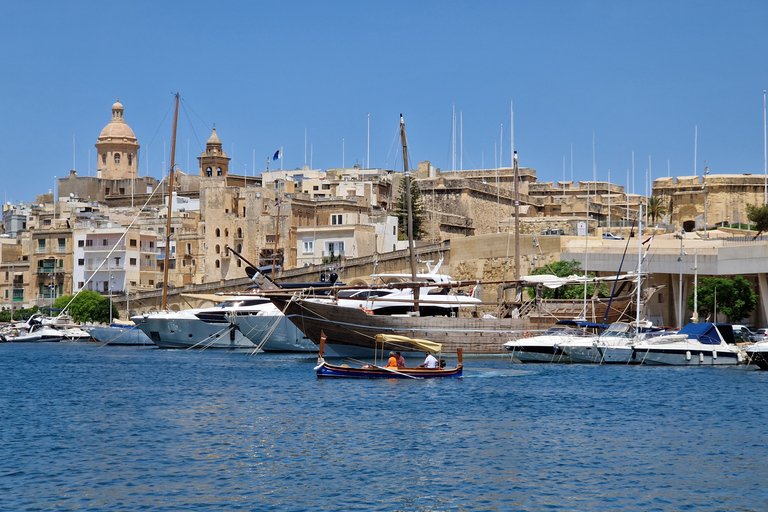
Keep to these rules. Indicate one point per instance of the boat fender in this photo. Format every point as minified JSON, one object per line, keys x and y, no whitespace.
{"x":687,"y":355}
{"x":714,"y":354}
{"x":701,"y":357}
{"x":526,"y":334}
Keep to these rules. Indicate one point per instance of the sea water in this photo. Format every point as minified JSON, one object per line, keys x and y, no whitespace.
{"x":85,"y":427}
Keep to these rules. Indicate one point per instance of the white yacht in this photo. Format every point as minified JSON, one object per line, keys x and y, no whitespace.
{"x":617,"y":344}
{"x":704,"y":344}
{"x":236,"y":323}
{"x":544,"y":347}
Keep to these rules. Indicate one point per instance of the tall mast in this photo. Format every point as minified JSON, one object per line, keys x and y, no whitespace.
{"x":170,"y":204}
{"x":410,"y":214}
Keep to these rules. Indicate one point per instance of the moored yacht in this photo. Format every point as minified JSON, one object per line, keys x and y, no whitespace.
{"x":544,"y":347}
{"x":758,"y":354}
{"x":704,"y":344}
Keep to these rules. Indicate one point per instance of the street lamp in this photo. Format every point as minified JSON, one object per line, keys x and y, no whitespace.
{"x":706,"y":172}
{"x":681,"y":236}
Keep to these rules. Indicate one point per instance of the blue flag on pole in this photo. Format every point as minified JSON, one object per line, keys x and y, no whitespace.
{"x":277,"y":155}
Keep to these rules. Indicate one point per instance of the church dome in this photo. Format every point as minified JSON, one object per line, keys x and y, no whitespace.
{"x":117,"y":127}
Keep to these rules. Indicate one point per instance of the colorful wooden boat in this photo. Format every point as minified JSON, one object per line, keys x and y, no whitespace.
{"x":375,"y":371}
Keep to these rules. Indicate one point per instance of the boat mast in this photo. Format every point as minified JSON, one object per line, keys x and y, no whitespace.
{"x":410,"y":214}
{"x":170,"y":204}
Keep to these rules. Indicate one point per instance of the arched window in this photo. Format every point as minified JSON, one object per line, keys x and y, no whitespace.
{"x":218,"y":233}
{"x":218,"y":171}
{"x":226,"y":232}
{"x":218,"y":249}
{"x":117,"y":158}
{"x":239,"y":232}
{"x":218,"y":264}
{"x":209,"y":172}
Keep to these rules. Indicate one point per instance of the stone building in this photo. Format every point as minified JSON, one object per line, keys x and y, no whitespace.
{"x":711,"y":199}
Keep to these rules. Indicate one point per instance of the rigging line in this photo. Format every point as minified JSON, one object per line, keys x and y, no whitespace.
{"x":394,"y":139}
{"x":268,"y":335}
{"x":184,"y":102}
{"x":106,"y":258}
{"x":192,"y":128}
{"x":162,"y":122}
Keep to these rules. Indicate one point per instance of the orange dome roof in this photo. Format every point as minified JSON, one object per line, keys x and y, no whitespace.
{"x":117,"y":127}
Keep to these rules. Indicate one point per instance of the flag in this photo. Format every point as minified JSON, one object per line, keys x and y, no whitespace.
{"x":278,"y":154}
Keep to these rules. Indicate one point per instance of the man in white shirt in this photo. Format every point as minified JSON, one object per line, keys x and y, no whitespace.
{"x":429,"y":362}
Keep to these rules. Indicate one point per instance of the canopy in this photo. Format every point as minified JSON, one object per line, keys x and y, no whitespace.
{"x":395,"y":339}
{"x":551,"y":281}
{"x":706,"y":333}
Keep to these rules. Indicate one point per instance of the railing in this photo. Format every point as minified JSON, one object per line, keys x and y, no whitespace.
{"x":50,"y":270}
{"x":105,"y":248}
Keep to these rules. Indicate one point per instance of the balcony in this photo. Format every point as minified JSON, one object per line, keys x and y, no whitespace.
{"x":50,"y":270}
{"x":104,"y":248}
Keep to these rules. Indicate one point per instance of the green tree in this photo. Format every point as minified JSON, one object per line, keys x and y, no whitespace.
{"x":565,"y":269}
{"x":88,"y":306}
{"x":735,"y":297}
{"x":656,"y":208}
{"x":418,"y":213}
{"x":758,"y":215}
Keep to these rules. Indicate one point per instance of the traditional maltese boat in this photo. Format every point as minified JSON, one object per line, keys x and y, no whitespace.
{"x":388,"y":342}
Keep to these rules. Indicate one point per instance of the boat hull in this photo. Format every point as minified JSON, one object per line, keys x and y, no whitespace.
{"x":352,"y":332}
{"x":283,"y":337}
{"x":688,"y":356}
{"x":758,"y":356}
{"x":185,"y":333}
{"x":329,"y":370}
{"x":114,"y":335}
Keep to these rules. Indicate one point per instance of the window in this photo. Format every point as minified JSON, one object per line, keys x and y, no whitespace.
{"x":41,"y":245}
{"x":226,"y":232}
{"x":89,"y":243}
{"x":80,"y":284}
{"x":104,"y":159}
{"x":309,"y":246}
{"x":218,"y":171}
{"x":189,"y":249}
{"x":117,"y":158}
{"x":47,"y":222}
{"x":81,"y":262}
{"x":315,"y":187}
{"x":62,"y":244}
{"x":208,"y":172}
{"x":81,"y":243}
{"x":133,"y":261}
{"x":218,"y":265}
{"x":183,"y":263}
{"x":151,"y":282}
{"x":117,"y":261}
{"x":104,"y":242}
{"x":130,"y":159}
{"x":243,"y":211}
{"x":132,"y":242}
{"x":335,"y":248}
{"x":218,"y":250}
{"x":218,"y":232}
{"x":239,"y":232}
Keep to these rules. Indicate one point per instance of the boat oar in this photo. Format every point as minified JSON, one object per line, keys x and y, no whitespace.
{"x":320,"y":360}
{"x":384,"y":368}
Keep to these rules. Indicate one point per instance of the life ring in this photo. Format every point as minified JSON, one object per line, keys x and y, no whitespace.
{"x":526,"y":334}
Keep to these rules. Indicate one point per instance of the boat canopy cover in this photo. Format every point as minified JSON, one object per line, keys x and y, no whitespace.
{"x":581,"y":323}
{"x":706,"y":333}
{"x":552,"y":281}
{"x":394,"y":339}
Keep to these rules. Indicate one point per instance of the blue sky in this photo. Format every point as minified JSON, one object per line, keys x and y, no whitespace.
{"x":637,"y":75}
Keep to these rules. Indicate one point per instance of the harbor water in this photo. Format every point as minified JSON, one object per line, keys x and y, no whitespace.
{"x":92,"y":428}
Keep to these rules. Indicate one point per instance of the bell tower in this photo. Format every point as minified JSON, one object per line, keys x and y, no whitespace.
{"x":213,"y":161}
{"x":117,"y":148}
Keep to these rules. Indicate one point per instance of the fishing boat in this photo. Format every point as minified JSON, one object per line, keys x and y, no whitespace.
{"x":385,"y":343}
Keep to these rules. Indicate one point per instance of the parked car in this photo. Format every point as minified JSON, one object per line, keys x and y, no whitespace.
{"x":611,"y":236}
{"x":742,"y":333}
{"x":759,"y":335}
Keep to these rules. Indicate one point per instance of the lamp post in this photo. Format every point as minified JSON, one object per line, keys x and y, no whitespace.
{"x":695,"y":316}
{"x":681,"y":235}
{"x":706,"y":172}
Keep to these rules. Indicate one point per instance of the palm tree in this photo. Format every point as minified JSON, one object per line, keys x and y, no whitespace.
{"x":656,"y":208}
